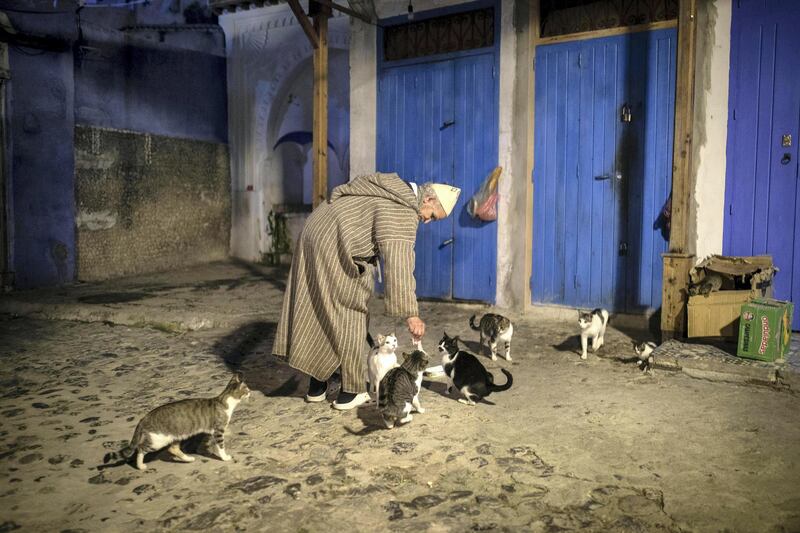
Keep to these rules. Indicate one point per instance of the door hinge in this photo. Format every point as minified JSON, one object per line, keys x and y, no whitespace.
{"x":734,"y":113}
{"x":575,"y":282}
{"x":730,"y":209}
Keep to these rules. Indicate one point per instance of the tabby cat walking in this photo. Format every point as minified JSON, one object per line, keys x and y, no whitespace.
{"x":497,"y":329}
{"x":169,"y":424}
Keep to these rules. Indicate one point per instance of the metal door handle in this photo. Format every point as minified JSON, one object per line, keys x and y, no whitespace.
{"x":446,"y":243}
{"x":786,"y":158}
{"x":615,"y":175}
{"x":447,"y":124}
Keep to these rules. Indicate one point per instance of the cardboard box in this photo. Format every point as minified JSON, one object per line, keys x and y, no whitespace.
{"x":716,"y":313}
{"x":765,"y":329}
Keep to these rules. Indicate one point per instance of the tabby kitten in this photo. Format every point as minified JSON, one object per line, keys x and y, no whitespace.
{"x":399,"y":390}
{"x":593,"y":324}
{"x":495,"y":328}
{"x":380,"y":359}
{"x":467,"y":374}
{"x":644,"y":352}
{"x":171,"y":423}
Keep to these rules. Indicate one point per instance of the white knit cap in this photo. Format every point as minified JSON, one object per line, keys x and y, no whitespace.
{"x":447,"y":195}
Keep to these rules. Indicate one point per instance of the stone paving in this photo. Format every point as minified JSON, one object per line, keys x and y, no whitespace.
{"x":593,"y":445}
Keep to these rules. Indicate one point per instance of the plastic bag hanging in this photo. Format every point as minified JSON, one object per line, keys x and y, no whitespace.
{"x":483,"y":204}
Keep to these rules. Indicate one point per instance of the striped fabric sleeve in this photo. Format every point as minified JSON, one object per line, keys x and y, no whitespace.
{"x":400,"y":287}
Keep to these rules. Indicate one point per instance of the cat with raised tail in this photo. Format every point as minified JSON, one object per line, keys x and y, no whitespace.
{"x":644,"y":354}
{"x":399,"y":390}
{"x":497,"y":329}
{"x":380,"y":359}
{"x":466,"y":374}
{"x":593,"y":324}
{"x":171,"y":423}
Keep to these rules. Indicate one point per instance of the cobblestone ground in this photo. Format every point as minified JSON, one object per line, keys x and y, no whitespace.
{"x":593,"y":445}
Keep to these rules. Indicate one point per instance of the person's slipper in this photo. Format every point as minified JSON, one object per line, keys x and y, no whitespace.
{"x":316,"y":399}
{"x":317,"y":390}
{"x":343,"y":404}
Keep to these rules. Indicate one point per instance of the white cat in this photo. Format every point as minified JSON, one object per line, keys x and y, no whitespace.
{"x":380,"y":360}
{"x":593,"y":324}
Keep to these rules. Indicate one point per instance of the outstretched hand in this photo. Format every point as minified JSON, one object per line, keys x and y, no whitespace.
{"x":416,"y":327}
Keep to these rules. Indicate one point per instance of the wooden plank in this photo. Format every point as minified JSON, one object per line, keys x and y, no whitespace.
{"x":582,"y":36}
{"x":677,"y":263}
{"x":684,"y":113}
{"x":674,"y":295}
{"x":320,"y":113}
{"x":305,"y":23}
{"x":529,"y":36}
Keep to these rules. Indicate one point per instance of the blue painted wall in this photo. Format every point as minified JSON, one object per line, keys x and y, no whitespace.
{"x":108,"y":80}
{"x":132,"y":85}
{"x":42,"y":120}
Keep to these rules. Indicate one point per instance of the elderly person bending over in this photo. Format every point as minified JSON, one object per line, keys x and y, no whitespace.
{"x":323,"y":323}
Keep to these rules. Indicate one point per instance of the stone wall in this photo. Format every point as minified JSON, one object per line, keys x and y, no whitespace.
{"x":146,"y":203}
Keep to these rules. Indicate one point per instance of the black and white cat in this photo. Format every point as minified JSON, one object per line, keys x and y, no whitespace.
{"x":497,"y":329}
{"x":593,"y":324}
{"x":644,"y":352}
{"x":380,"y":359}
{"x":169,"y":424}
{"x":399,"y":389}
{"x":466,"y":374}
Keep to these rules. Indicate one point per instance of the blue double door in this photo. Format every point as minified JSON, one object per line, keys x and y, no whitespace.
{"x":762,"y":194}
{"x":604,"y":121}
{"x":437,"y":122}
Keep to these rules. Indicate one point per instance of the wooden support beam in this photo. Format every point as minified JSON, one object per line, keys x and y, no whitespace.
{"x":320,"y":13}
{"x":304,"y":22}
{"x":678,"y":261}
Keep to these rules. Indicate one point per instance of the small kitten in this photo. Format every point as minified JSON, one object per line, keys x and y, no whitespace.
{"x":467,"y":374}
{"x":644,"y":352}
{"x":399,"y":391}
{"x":495,"y":328}
{"x":712,"y":282}
{"x":380,"y":359}
{"x":171,"y":423}
{"x":593,"y":324}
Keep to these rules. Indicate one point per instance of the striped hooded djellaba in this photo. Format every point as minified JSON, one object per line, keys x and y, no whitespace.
{"x":323,"y":322}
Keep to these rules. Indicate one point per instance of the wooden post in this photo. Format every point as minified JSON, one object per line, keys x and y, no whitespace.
{"x":678,"y":261}
{"x":320,"y":13}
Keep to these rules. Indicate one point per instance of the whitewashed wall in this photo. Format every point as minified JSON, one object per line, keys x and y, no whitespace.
{"x":270,"y":73}
{"x":707,"y":207}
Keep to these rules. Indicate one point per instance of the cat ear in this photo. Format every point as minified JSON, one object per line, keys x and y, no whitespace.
{"x":237,"y":377}
{"x":406,"y":355}
{"x":381,"y":339}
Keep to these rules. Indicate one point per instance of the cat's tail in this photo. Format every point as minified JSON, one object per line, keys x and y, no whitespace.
{"x":123,"y":456}
{"x":472,"y":323}
{"x":504,"y":386}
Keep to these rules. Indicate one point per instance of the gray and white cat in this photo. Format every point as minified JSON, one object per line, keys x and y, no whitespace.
{"x":644,"y":352}
{"x":380,"y":359}
{"x":593,"y":324}
{"x":169,"y":424}
{"x":399,"y":390}
{"x":497,"y":329}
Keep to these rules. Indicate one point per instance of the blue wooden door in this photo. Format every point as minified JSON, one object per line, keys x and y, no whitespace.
{"x":762,"y":195}
{"x":600,"y":181}
{"x":437,"y":121}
